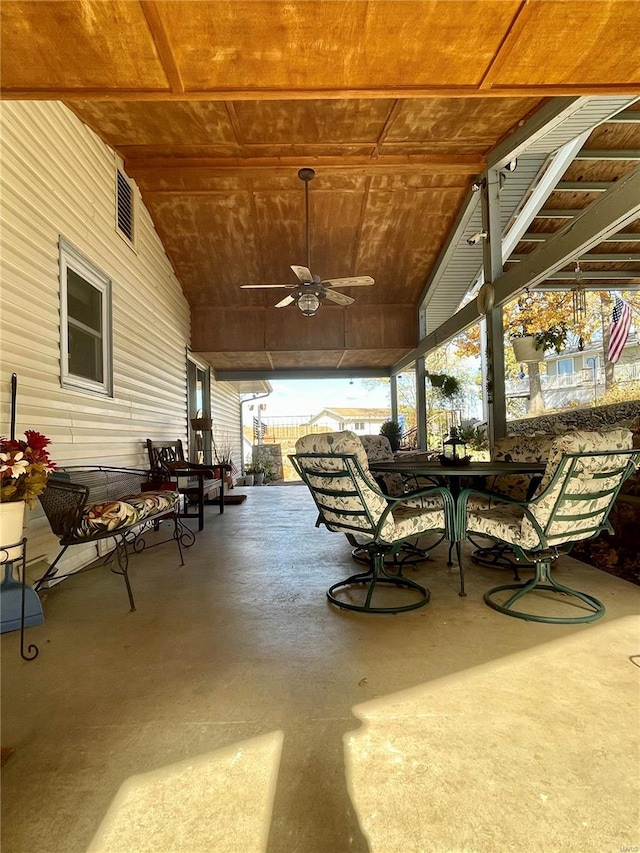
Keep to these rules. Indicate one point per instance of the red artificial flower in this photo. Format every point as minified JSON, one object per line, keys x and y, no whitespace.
{"x":36,"y":439}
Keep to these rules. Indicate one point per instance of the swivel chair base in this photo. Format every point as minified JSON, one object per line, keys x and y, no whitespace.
{"x":377,"y":575}
{"x":542,"y":574}
{"x":499,"y":555}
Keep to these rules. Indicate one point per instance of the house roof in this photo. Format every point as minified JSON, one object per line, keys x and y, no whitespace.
{"x":355,"y":414}
{"x":398,"y":106}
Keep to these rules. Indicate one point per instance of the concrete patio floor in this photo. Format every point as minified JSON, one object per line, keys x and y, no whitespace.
{"x":237,"y":711}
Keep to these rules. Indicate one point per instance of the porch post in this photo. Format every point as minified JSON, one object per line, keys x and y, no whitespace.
{"x":492,"y":266}
{"x":421,"y":404}
{"x":393,"y":386}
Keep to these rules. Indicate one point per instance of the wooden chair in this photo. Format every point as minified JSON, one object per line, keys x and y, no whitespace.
{"x":198,"y":483}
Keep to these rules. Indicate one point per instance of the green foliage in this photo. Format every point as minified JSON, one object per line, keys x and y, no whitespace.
{"x":474,"y":437}
{"x":446,"y":386}
{"x":393,"y":431}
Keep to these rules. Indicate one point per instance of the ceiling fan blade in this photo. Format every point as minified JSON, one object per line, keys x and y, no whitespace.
{"x":353,"y":281}
{"x":286,"y":301}
{"x":338,"y":298}
{"x":303,"y":273}
{"x":263,"y":286}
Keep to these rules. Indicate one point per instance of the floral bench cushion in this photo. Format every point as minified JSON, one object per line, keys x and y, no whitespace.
{"x":111,"y":516}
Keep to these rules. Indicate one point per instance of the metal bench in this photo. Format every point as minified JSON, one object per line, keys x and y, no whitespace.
{"x":90,"y":503}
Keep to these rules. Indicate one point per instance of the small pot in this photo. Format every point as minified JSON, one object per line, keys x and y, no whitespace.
{"x":525,"y":349}
{"x":258,"y":479}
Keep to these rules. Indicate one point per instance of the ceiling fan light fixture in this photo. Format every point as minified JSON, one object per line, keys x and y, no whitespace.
{"x":308,"y":303}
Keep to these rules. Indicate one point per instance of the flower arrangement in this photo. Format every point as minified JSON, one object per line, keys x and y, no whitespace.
{"x":24,"y":467}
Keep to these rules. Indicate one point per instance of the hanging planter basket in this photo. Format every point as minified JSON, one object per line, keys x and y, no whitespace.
{"x":525,"y":349}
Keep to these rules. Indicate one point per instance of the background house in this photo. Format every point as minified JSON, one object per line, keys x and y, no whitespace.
{"x":360,"y":421}
{"x":577,"y":377}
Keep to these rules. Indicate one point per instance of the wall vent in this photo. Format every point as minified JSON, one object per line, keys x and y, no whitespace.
{"x":125,"y":206}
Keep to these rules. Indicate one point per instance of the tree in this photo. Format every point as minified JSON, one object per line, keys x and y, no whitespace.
{"x":551,"y":314}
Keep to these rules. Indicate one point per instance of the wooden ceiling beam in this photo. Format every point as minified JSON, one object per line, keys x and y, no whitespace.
{"x":161,"y":41}
{"x":508,"y":42}
{"x":456,"y":164}
{"x":256,"y":94}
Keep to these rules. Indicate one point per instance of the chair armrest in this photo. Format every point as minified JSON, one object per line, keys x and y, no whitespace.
{"x":463,"y":499}
{"x":63,"y":503}
{"x":441,"y":491}
{"x":191,"y":469}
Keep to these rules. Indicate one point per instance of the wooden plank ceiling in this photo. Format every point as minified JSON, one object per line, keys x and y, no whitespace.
{"x":215,"y":106}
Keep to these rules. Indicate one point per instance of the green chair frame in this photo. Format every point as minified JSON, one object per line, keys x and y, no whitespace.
{"x":569,"y":472}
{"x":348,"y":476}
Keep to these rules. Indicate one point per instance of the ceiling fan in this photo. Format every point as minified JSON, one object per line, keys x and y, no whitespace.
{"x":311,"y":290}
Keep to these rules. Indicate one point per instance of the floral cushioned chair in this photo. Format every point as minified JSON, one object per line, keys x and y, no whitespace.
{"x":530,"y":447}
{"x":582,"y":479}
{"x":378,"y":449}
{"x":334,"y":466}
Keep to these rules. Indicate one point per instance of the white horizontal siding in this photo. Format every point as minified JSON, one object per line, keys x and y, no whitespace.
{"x":225,"y":414}
{"x":58,"y":178}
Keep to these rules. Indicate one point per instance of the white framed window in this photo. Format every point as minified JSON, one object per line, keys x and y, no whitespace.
{"x":564,"y":366}
{"x":85,"y":324}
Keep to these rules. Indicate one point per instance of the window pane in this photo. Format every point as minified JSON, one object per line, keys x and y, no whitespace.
{"x":84,"y":302}
{"x":565,"y":366}
{"x":85,"y":354}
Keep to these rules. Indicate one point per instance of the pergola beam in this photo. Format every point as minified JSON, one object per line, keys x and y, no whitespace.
{"x":619,"y":237}
{"x":618,"y":207}
{"x":583,"y":186}
{"x":608,"y":154}
{"x":325,"y":373}
{"x":593,"y":275}
{"x":591,"y":258}
{"x":628,"y":117}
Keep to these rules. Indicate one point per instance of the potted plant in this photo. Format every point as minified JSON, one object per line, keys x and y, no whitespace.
{"x":393,"y":432}
{"x":24,"y":469}
{"x":257,"y":471}
{"x":537,"y":325}
{"x":531,"y":346}
{"x":448,"y":386}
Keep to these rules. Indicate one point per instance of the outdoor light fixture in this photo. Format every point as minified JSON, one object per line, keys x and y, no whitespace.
{"x":475,"y":238}
{"x":308,"y":303}
{"x":454,"y":449}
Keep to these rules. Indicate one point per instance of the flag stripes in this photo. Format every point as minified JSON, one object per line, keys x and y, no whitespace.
{"x":620,"y":325}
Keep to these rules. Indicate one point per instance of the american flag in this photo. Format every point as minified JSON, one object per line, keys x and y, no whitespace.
{"x":620,"y":325}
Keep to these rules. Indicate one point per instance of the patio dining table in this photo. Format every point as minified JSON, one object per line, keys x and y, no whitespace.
{"x":451,"y":476}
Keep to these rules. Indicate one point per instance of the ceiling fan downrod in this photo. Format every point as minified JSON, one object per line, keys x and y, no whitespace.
{"x":307,"y":174}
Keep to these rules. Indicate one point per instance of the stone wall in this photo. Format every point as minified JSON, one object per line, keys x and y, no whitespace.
{"x":593,"y":417}
{"x":617,"y":553}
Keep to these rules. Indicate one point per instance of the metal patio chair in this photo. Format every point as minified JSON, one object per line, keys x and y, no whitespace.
{"x":581,"y":482}
{"x":335,"y":469}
